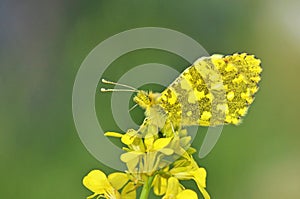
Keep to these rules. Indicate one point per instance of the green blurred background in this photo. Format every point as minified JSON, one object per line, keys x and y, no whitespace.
{"x":43,"y":43}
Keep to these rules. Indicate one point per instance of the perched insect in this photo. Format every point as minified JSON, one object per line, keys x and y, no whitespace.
{"x":213,"y":91}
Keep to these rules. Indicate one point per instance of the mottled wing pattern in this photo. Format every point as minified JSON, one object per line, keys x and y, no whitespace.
{"x":213,"y":91}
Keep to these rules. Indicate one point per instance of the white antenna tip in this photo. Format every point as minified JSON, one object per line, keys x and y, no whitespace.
{"x":103,"y":90}
{"x":104,"y":81}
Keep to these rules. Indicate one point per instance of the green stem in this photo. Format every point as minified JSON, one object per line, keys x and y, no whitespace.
{"x":146,"y":187}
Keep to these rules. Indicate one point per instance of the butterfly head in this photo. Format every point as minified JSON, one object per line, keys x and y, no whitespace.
{"x":146,"y":99}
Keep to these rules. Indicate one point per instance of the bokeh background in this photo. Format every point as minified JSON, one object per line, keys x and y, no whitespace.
{"x":43,"y":43}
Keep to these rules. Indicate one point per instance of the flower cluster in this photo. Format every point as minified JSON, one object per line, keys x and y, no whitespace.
{"x":154,"y":160}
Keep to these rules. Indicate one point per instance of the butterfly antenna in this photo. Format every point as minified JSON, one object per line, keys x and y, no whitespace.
{"x":132,"y":107}
{"x":118,"y":84}
{"x":117,"y":90}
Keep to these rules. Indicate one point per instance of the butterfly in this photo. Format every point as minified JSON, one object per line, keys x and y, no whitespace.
{"x":213,"y":91}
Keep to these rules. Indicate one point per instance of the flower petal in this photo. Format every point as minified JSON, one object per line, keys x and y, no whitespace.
{"x":129,"y":191}
{"x":172,"y":188}
{"x":113,"y":134}
{"x":127,"y":157}
{"x":200,"y":177}
{"x":96,"y":181}
{"x":161,"y":143}
{"x":185,"y":141}
{"x":118,"y":179}
{"x":204,"y":193}
{"x":167,"y":151}
{"x":187,"y":194}
{"x":92,"y":196}
{"x":159,"y":185}
{"x":149,"y":139}
{"x":127,"y":139}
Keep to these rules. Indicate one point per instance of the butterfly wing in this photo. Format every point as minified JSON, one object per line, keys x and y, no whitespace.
{"x":214,"y":90}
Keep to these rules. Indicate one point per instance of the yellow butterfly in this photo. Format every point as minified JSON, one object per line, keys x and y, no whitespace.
{"x":213,"y":91}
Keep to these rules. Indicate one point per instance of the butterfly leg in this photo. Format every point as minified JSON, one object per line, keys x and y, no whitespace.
{"x":143,"y":125}
{"x":172,"y":126}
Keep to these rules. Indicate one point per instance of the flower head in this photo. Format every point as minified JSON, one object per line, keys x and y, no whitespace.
{"x":107,"y":187}
{"x":191,"y":171}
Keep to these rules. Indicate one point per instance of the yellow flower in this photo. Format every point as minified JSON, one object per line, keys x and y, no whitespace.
{"x":107,"y":187}
{"x":190,"y":194}
{"x":160,"y":182}
{"x":128,"y":192}
{"x":176,"y":191}
{"x":173,"y":188}
{"x":192,"y":171}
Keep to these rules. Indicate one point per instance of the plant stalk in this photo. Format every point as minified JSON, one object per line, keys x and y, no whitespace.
{"x":146,"y":188}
